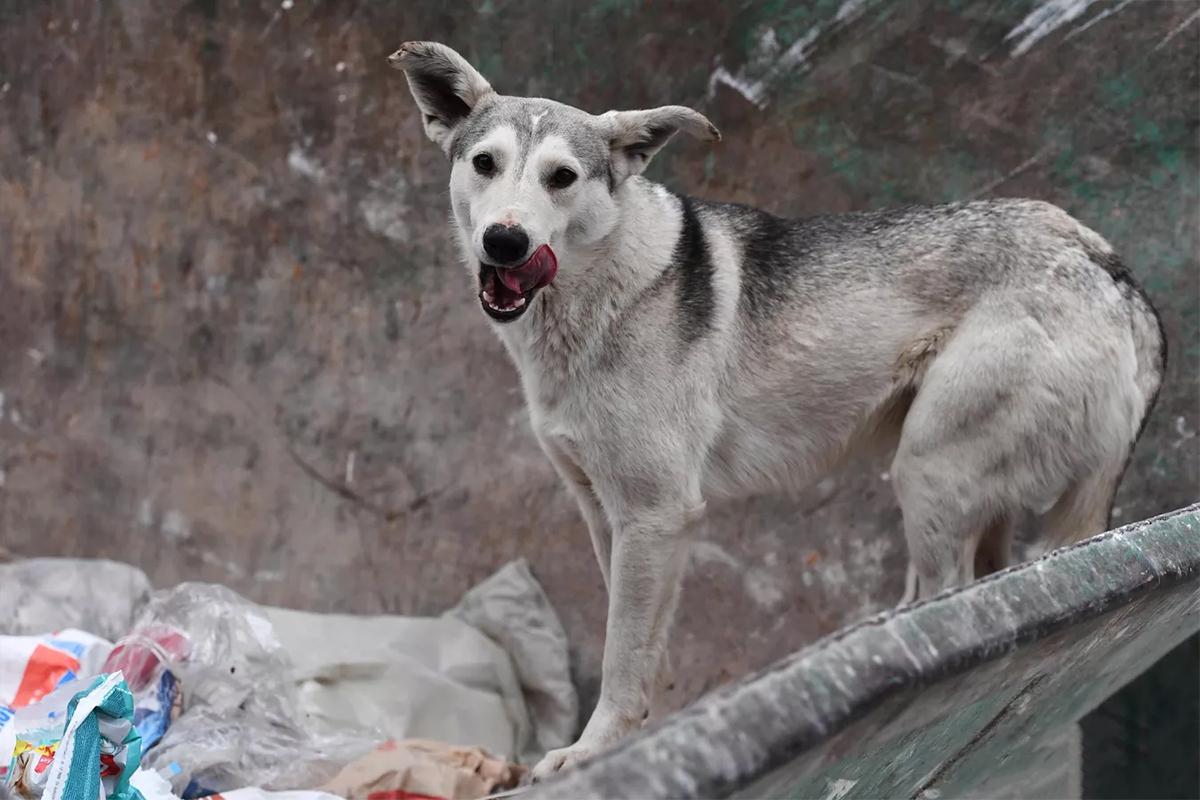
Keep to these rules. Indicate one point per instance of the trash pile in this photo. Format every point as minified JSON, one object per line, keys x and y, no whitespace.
{"x":111,"y":690}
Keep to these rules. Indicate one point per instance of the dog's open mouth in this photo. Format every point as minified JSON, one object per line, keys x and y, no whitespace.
{"x":506,"y":292}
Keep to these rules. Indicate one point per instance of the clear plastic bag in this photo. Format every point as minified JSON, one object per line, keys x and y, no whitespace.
{"x":241,"y":724}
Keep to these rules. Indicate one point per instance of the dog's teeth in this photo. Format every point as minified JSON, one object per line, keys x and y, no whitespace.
{"x":520,"y":302}
{"x":487,"y":296}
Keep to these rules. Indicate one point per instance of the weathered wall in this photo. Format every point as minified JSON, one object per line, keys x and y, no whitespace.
{"x":235,"y":344}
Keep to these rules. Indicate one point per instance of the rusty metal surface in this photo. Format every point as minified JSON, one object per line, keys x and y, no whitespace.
{"x":235,"y":345}
{"x":960,"y":696}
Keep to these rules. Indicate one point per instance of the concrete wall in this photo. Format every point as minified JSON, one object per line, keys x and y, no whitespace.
{"x":235,"y":344}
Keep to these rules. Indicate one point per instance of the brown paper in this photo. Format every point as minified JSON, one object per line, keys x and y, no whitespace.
{"x":411,"y":769}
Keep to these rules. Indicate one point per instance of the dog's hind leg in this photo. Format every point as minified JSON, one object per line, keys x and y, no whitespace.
{"x":1082,"y":511}
{"x":988,"y":434}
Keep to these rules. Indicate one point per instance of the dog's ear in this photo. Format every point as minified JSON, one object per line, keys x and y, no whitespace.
{"x":635,"y":136}
{"x":444,"y":85}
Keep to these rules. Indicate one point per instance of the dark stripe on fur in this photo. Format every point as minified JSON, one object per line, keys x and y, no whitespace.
{"x":771,"y":254}
{"x":1112,"y":264}
{"x":694,"y":282}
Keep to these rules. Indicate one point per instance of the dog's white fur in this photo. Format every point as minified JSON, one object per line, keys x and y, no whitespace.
{"x":996,"y":347}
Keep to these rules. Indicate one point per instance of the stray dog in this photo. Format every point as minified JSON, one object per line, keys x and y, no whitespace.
{"x":673,"y":349}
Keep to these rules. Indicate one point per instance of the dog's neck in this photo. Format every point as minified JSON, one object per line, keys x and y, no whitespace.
{"x":569,"y":324}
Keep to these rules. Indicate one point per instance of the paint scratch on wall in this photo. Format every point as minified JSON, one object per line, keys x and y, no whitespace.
{"x":384,"y":208}
{"x":838,"y":789}
{"x":302,"y":164}
{"x":1044,"y":20}
{"x":768,"y":62}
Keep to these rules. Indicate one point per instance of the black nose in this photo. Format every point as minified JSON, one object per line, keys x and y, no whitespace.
{"x":505,"y":244}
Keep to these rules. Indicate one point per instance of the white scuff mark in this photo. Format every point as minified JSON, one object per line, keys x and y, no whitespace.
{"x":36,"y":356}
{"x":1105,"y":14}
{"x":341,"y":97}
{"x":1117,"y":510}
{"x":211,"y":136}
{"x":300,"y":163}
{"x":1175,"y":32}
{"x":350,"y":468}
{"x":837,"y":789}
{"x":5,"y":87}
{"x":768,"y":61}
{"x":175,"y":526}
{"x":850,"y":10}
{"x":268,"y":575}
{"x":763,"y":588}
{"x":384,"y":208}
{"x":212,"y":559}
{"x":145,"y":514}
{"x":1181,"y":429}
{"x":1044,"y":20}
{"x":287,"y":5}
{"x":832,"y":575}
{"x":765,"y":66}
{"x":340,"y":66}
{"x":712,"y":553}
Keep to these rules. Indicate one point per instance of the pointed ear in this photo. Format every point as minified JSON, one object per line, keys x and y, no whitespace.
{"x":444,"y":85}
{"x":635,"y":136}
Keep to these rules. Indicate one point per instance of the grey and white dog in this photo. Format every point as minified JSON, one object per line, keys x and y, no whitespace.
{"x":686,"y":350}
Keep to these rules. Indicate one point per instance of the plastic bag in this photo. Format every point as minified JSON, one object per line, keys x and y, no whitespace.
{"x":146,"y":657}
{"x":50,"y":594}
{"x":86,"y":751}
{"x":32,"y":667}
{"x":240,"y":724}
{"x":511,"y":608}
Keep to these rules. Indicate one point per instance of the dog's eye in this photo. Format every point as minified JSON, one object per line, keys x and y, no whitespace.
{"x":484,"y":164}
{"x":562,"y":178}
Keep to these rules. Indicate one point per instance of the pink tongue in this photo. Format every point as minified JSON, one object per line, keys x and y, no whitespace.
{"x":535,"y":273}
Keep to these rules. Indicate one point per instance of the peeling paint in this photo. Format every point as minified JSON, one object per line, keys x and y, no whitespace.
{"x":1043,"y":20}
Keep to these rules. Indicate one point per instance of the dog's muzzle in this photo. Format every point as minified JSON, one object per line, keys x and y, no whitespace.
{"x":506,"y":292}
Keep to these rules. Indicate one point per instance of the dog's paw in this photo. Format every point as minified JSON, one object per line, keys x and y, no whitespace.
{"x":557,"y":760}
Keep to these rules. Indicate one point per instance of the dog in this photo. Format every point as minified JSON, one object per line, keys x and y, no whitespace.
{"x":672,"y":350}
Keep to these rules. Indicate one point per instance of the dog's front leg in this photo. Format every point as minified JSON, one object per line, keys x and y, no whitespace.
{"x":647,"y":565}
{"x":562,"y":456}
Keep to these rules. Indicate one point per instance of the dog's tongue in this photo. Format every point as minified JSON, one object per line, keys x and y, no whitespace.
{"x":535,"y":273}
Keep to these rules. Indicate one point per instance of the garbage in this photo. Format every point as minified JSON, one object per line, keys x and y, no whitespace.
{"x":241,"y":724}
{"x":418,"y":768}
{"x":32,"y":667}
{"x":402,"y":676}
{"x":87,"y":750}
{"x":51,"y":594}
{"x":512,"y":610}
{"x":145,"y":658}
{"x":491,"y":672}
{"x":216,"y":696}
{"x":154,"y":786}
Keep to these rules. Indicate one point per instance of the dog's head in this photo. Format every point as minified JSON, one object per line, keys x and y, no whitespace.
{"x":531,"y":180}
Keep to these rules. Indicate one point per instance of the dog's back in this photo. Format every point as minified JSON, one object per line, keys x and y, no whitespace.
{"x":1018,"y":355}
